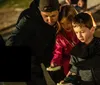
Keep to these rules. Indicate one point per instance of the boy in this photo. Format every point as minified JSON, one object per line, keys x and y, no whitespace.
{"x":85,"y":59}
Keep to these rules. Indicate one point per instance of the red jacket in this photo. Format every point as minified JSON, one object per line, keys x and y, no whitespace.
{"x":63,"y":46}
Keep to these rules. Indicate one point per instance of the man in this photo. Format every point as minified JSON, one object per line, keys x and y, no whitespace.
{"x":37,"y":32}
{"x":49,"y":12}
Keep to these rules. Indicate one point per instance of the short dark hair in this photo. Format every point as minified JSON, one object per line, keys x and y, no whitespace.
{"x":82,"y":19}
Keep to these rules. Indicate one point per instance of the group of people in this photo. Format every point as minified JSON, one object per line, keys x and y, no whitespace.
{"x":62,"y":39}
{"x":80,"y":5}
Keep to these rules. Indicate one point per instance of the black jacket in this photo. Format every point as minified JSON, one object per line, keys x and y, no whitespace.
{"x":88,"y":58}
{"x":32,"y":31}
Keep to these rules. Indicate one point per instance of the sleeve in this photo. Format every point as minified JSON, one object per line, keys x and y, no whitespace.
{"x":94,"y":61}
{"x":57,"y":53}
{"x":73,"y":62}
{"x":17,"y":35}
{"x":11,"y":38}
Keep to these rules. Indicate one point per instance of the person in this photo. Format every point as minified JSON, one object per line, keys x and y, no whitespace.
{"x":65,"y":40}
{"x":85,"y":55}
{"x":81,"y":5}
{"x":36,"y":28}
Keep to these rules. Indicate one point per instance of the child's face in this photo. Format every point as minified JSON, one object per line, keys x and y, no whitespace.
{"x":66,"y":24}
{"x":84,"y":34}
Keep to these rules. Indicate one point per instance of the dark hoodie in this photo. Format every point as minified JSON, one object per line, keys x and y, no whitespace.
{"x":86,"y":60}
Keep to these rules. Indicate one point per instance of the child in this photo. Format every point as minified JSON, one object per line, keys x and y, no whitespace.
{"x":85,"y":58}
{"x":65,"y":40}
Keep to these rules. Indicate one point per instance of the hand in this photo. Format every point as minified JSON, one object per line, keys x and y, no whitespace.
{"x":61,"y":82}
{"x":52,"y":65}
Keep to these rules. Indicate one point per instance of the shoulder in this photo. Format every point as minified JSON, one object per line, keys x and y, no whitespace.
{"x":78,"y":49}
{"x":31,"y":11}
{"x":22,"y":14}
{"x":32,"y":14}
{"x":60,"y":37}
{"x":22,"y":22}
{"x":96,"y":42}
{"x":26,"y":18}
{"x":94,"y":46}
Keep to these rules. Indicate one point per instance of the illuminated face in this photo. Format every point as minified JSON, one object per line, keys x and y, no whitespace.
{"x":50,"y":17}
{"x":80,"y":3}
{"x":84,"y":34}
{"x":66,"y":24}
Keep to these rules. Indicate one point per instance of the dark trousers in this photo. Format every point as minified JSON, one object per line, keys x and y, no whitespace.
{"x":37,"y":77}
{"x":57,"y":76}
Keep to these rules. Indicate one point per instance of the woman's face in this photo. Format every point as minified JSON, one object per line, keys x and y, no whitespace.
{"x":80,"y":3}
{"x":66,"y":24}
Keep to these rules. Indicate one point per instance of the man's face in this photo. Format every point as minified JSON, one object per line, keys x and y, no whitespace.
{"x":84,"y":34}
{"x":50,"y":17}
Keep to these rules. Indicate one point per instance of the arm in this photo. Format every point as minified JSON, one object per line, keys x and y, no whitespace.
{"x":18,"y":35}
{"x":11,"y":38}
{"x":57,"y":53}
{"x":73,"y":69}
{"x":16,"y":31}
